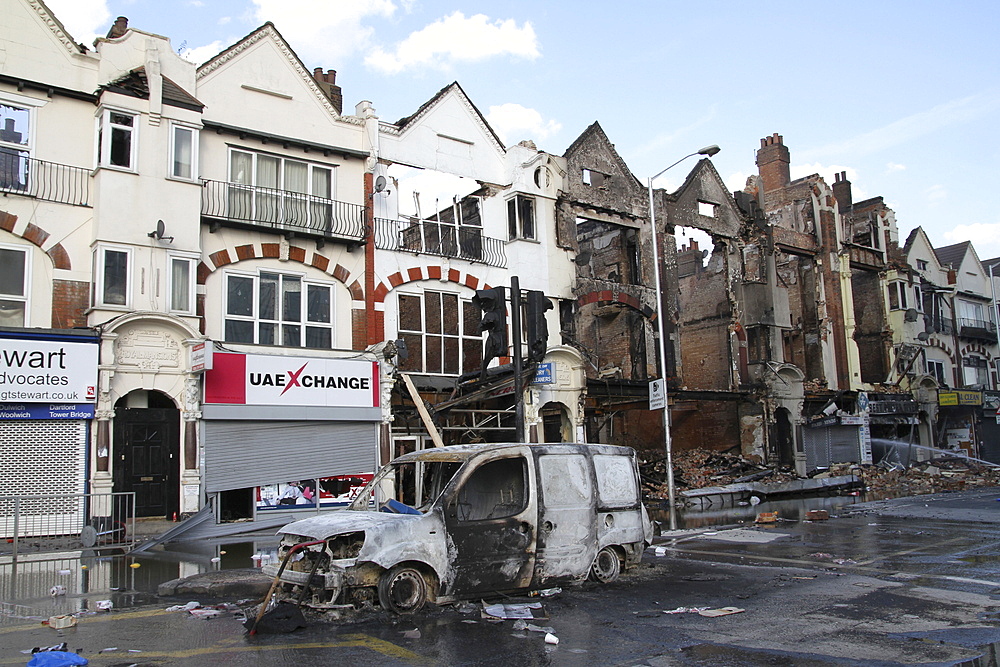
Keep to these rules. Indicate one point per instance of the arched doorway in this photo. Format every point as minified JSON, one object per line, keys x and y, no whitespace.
{"x":784,"y":442}
{"x":147,"y":452}
{"x":556,"y":425}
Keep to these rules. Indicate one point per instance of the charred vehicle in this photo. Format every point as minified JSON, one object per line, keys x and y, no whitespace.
{"x":472,"y":520}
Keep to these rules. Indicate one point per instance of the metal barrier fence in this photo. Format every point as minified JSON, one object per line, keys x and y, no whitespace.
{"x":61,"y":522}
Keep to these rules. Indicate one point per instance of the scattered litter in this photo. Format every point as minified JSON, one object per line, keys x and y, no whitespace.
{"x":43,"y":649}
{"x":205,"y":613}
{"x":216,"y":559}
{"x":660,"y":551}
{"x":845,"y":561}
{"x":545,"y":592}
{"x":104,"y":605}
{"x":521,"y":624}
{"x":820,"y":555}
{"x":721,"y":611}
{"x":412,"y":634}
{"x":551,"y":638}
{"x":812,"y":577}
{"x":57,"y":590}
{"x":469,"y":620}
{"x":111,"y":649}
{"x":817,"y":515}
{"x":61,"y":622}
{"x":528,"y":610}
{"x":767,"y":517}
{"x":184,"y":607}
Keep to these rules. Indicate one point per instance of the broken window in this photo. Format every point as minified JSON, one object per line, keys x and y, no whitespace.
{"x":975,"y":371}
{"x":694,"y":249}
{"x":935,"y":368}
{"x":115,"y":139}
{"x":707,"y":209}
{"x":594,"y":178}
{"x":495,"y":490}
{"x":521,"y":217}
{"x":441,"y":333}
{"x":898,"y":296}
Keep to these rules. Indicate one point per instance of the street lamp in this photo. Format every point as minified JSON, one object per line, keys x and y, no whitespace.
{"x":708,"y":151}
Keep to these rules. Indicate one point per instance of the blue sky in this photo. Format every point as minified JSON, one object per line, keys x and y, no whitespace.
{"x":903,"y":96}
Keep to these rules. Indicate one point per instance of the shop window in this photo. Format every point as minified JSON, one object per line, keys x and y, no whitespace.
{"x":278,"y":309}
{"x":441,"y":334}
{"x":13,"y":286}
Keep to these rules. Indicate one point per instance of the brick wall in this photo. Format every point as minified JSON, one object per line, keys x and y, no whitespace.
{"x":870,"y":326}
{"x":70,"y":299}
{"x":704,"y":332}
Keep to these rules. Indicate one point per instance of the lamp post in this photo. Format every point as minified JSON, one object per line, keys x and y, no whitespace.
{"x":708,"y":151}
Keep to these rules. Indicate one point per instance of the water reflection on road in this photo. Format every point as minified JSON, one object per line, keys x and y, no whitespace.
{"x":721,"y":514}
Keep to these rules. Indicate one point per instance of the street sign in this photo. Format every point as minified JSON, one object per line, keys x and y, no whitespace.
{"x":657,"y":394}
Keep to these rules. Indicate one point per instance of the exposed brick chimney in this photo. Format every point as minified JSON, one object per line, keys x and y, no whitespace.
{"x":328,"y":84}
{"x":842,"y":191}
{"x":772,"y":163}
{"x":119,"y":28}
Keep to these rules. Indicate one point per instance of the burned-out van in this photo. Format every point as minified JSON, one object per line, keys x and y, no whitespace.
{"x":471,"y":520}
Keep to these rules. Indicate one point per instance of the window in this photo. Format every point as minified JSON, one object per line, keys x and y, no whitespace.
{"x":183,"y":152}
{"x":269,"y":309}
{"x":495,"y":490}
{"x":521,"y":217}
{"x":13,"y":286}
{"x":921,"y":265}
{"x":935,"y":368}
{"x":15,"y":146}
{"x":181,"y":286}
{"x":706,"y":208}
{"x":113,"y":284}
{"x":975,"y":371}
{"x":441,"y":332}
{"x":280,"y":190}
{"x":594,"y":178}
{"x":918,"y":298}
{"x":897,"y":296}
{"x":116,"y":139}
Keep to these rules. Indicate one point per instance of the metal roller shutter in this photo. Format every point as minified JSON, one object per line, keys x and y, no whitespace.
{"x":241,"y":454}
{"x":831,"y":444}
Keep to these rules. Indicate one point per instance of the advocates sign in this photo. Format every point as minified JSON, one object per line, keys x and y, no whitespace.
{"x":256,"y":379}
{"x":47,"y":371}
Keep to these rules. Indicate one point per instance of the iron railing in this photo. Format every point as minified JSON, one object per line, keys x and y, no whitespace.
{"x":282,"y":211}
{"x":972,"y":328}
{"x":67,"y":521}
{"x":49,"y":181}
{"x":439,"y":238}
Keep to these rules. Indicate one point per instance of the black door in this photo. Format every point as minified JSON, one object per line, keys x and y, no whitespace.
{"x":147,"y":458}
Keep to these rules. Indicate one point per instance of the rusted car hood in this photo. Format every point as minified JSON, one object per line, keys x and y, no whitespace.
{"x":343,"y":521}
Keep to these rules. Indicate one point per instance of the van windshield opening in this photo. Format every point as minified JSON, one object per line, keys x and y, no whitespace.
{"x":413,"y":484}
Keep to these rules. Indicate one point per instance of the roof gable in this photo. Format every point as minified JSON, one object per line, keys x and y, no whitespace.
{"x":452,"y":91}
{"x":593,"y":150}
{"x":704,"y":185}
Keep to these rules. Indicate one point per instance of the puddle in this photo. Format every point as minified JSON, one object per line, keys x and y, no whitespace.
{"x":723,"y":515}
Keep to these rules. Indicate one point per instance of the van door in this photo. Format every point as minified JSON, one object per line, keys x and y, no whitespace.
{"x":567,"y":541}
{"x":490,"y":517}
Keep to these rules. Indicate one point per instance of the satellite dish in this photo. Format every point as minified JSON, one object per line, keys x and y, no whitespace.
{"x":160,"y":233}
{"x":911,"y":315}
{"x":380,"y":184}
{"x":923,"y":336}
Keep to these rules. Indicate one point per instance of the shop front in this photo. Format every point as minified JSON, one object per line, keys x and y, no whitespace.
{"x":287,"y":433}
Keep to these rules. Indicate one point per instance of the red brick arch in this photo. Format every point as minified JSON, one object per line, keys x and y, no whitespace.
{"x":417,"y":273}
{"x":604,"y":297}
{"x":36,"y":235}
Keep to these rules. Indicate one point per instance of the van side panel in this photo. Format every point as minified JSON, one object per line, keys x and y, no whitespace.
{"x":566,"y":530}
{"x":618,"y":498}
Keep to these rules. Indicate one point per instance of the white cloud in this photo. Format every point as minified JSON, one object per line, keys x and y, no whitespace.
{"x":225,"y":20}
{"x":894,"y":166}
{"x":984,"y":236}
{"x":737,"y":180}
{"x":936,"y":193}
{"x":513,"y":121}
{"x":320,"y":30}
{"x":203,"y":54}
{"x":457,"y":38}
{"x":86,"y":20}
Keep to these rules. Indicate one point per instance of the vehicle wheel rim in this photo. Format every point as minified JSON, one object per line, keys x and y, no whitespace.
{"x":406,"y":590}
{"x":606,"y":566}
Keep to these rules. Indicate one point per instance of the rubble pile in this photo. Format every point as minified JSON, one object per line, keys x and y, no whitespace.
{"x":700,"y":468}
{"x":936,"y":476}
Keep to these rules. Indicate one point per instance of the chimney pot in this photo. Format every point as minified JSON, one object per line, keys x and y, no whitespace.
{"x":772,"y":163}
{"x":331,"y":76}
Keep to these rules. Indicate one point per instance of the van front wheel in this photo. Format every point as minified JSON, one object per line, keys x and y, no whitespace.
{"x":606,"y":567}
{"x":402,"y":590}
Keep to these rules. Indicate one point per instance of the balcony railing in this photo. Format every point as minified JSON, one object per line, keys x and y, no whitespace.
{"x":970,"y":328}
{"x":282,"y":211}
{"x":49,"y":181}
{"x":442,"y":239}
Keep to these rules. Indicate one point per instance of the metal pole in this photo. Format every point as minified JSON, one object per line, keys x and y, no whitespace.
{"x":993,"y":315}
{"x":663,"y":355}
{"x":515,"y":340}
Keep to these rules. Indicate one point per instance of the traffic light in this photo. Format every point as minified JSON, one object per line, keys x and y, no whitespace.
{"x":494,"y":321}
{"x":537,"y":330}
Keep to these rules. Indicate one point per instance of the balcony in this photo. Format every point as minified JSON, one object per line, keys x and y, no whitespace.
{"x":426,"y":237}
{"x":48,"y":181}
{"x":978,"y":329}
{"x":281,"y":212}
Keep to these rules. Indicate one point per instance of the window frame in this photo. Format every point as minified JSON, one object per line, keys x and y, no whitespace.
{"x":190,"y":297}
{"x":30,"y":106}
{"x":280,"y":321}
{"x":24,"y":298}
{"x":515,"y":224}
{"x":100,"y":286}
{"x":176,"y":126}
{"x":936,"y":369}
{"x":462,"y":337}
{"x":104,"y":139}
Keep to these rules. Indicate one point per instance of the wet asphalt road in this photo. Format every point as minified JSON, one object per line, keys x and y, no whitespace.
{"x":906,"y":582}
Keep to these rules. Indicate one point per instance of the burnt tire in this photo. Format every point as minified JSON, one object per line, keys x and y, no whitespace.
{"x":607,"y":566}
{"x":402,"y":590}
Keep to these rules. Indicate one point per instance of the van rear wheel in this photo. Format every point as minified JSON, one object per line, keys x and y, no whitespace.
{"x":402,"y":590}
{"x":606,"y":567}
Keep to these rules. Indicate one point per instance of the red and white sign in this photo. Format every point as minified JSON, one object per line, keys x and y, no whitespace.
{"x":256,"y":379}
